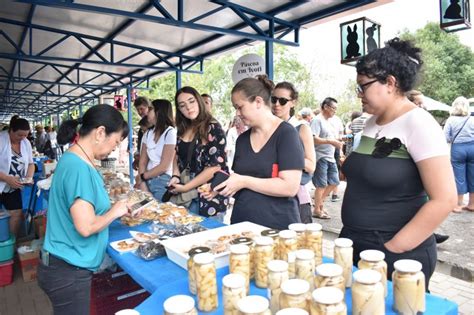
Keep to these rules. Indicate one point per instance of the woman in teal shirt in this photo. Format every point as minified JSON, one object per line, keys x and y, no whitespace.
{"x":79,"y":210}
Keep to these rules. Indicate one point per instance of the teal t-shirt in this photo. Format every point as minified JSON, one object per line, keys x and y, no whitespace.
{"x":73,"y":179}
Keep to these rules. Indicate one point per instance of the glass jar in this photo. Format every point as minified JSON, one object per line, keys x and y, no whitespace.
{"x":274,"y":235}
{"x":191,"y":273}
{"x":253,"y":305}
{"x":374,"y":260}
{"x":294,"y":293}
{"x":239,"y":262}
{"x":368,"y":293}
{"x":249,"y":242}
{"x":314,"y":241}
{"x":300,"y":229}
{"x":287,"y":242}
{"x":343,"y":257}
{"x":263,"y":255}
{"x":206,"y":283}
{"x":179,"y":305}
{"x":292,"y":311}
{"x":292,"y":265}
{"x":277,"y":274}
{"x":329,"y":275}
{"x":328,"y":301}
{"x":233,"y":289}
{"x":305,"y":266}
{"x":408,"y":287}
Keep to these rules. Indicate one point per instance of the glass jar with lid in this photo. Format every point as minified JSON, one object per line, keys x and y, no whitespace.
{"x":314,"y":241}
{"x":300,"y":229}
{"x":250,"y":243}
{"x":292,"y":311}
{"x":277,"y":274}
{"x":408,"y":287}
{"x":305,"y":266}
{"x":292,"y":265}
{"x":233,"y":289}
{"x":368,"y":293}
{"x":294,"y":293}
{"x":263,"y":255}
{"x":374,"y":259}
{"x":206,"y":283}
{"x":253,"y":305}
{"x":287,"y":243}
{"x":239,"y":262}
{"x":190,"y":263}
{"x":274,"y":235}
{"x":328,"y":301}
{"x":329,"y":275}
{"x":179,"y":305}
{"x":343,"y":257}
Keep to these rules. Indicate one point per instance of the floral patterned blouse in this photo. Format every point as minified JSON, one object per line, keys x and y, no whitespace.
{"x":206,"y":155}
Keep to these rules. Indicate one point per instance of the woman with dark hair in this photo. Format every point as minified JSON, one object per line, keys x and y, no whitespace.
{"x":158,"y":149}
{"x":79,"y":210}
{"x":400,"y":185}
{"x":16,"y":168}
{"x":199,"y":132}
{"x":284,"y":99}
{"x":268,"y":161}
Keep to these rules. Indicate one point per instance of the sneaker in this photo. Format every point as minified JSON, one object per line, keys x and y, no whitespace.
{"x":335,"y":198}
{"x":440,"y":238}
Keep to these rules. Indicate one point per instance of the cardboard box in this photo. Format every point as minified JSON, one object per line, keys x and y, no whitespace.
{"x":29,"y":263}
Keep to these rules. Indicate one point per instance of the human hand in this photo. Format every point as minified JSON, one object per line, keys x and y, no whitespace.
{"x":120,"y":208}
{"x":174,"y":180}
{"x":206,"y":192}
{"x":337,"y":144}
{"x":14,"y":182}
{"x":391,"y":247}
{"x":231,"y":186}
{"x":178,"y":188}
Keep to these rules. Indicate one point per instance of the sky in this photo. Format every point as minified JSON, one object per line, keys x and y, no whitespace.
{"x":320,"y":44}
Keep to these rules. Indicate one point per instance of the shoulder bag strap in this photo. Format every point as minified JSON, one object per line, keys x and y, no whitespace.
{"x":457,"y":134}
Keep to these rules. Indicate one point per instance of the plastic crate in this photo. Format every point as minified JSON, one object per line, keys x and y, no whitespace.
{"x":6,"y":273}
{"x":7,"y":249}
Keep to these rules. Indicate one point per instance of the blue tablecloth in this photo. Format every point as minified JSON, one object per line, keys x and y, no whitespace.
{"x":39,"y":162}
{"x":163,"y":278}
{"x":26,"y":192}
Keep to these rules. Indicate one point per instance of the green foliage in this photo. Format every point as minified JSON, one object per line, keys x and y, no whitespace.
{"x":448,"y":70}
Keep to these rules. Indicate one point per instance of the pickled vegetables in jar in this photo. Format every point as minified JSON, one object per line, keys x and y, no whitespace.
{"x":408,"y":287}
{"x":305,"y":266}
{"x":374,"y":260}
{"x":253,"y":305}
{"x":287,"y":243}
{"x":233,"y":289}
{"x":277,"y":274}
{"x":329,"y":275}
{"x":179,"y":305}
{"x":300,"y":229}
{"x":314,"y":241}
{"x":263,"y":255}
{"x":239,"y":262}
{"x":295,"y":293}
{"x":343,"y":257}
{"x":190,"y":263}
{"x":206,"y":283}
{"x":328,"y":301}
{"x":368,"y":297}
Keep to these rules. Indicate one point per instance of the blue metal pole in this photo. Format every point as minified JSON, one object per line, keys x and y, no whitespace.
{"x":269,"y":59}
{"x":130,"y":135}
{"x":178,"y":80}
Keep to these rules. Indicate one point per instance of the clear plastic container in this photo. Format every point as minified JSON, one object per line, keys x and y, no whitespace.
{"x":179,"y":305}
{"x":300,"y":229}
{"x":233,"y":289}
{"x":343,"y":257}
{"x":305,"y":266}
{"x":206,"y":283}
{"x":294,"y":293}
{"x":274,"y":235}
{"x":314,"y":241}
{"x":374,"y":260}
{"x":329,"y":275}
{"x":253,"y":305}
{"x":263,"y":255}
{"x":368,"y":297}
{"x":239,"y":262}
{"x":277,"y":274}
{"x":292,"y":311}
{"x":408,"y":287}
{"x":328,"y":301}
{"x":249,"y":242}
{"x":191,"y":273}
{"x":287,"y":243}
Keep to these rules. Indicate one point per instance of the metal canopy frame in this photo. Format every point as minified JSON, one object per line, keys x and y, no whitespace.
{"x":36,"y":80}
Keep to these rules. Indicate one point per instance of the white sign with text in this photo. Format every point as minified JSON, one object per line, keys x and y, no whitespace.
{"x":248,"y":66}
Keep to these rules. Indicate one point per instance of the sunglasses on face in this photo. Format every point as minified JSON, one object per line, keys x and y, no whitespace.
{"x":360,"y":88}
{"x":280,"y":100}
{"x":383,"y":149}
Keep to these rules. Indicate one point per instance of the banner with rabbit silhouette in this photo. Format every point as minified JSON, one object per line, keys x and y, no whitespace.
{"x":454,"y":15}
{"x":358,"y":38}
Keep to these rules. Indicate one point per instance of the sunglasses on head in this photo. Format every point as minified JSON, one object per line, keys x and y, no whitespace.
{"x":383,"y":149}
{"x":280,"y":100}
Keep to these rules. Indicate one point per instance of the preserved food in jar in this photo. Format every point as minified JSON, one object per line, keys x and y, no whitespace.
{"x":343,"y":257}
{"x":300,"y":229}
{"x":206,"y":283}
{"x":254,"y":305}
{"x":233,"y":289}
{"x":295,"y":293}
{"x":239,"y":262}
{"x":408,"y":287}
{"x":374,"y":260}
{"x":368,"y":293}
{"x":292,"y":311}
{"x":305,"y":266}
{"x":277,"y":274}
{"x":314,"y":241}
{"x":328,"y":301}
{"x":287,"y":243}
{"x":329,"y":275}
{"x":263,"y":255}
{"x":249,"y":242}
{"x":191,"y":273}
{"x":274,"y":235}
{"x":179,"y":305}
{"x":292,"y":265}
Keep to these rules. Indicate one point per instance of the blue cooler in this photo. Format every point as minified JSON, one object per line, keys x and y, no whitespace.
{"x":4,"y":226}
{"x":7,"y":249}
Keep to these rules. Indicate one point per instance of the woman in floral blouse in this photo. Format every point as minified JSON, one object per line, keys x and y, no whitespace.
{"x":200,"y":132}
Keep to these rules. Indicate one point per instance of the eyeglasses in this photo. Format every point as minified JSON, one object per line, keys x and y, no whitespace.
{"x":334,"y":108}
{"x":360,"y":88}
{"x":280,"y":100}
{"x":383,"y":149}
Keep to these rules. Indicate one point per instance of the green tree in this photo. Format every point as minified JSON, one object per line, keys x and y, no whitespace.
{"x":448,"y":70}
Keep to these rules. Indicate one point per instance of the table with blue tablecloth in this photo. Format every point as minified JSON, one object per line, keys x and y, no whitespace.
{"x":163,"y":278}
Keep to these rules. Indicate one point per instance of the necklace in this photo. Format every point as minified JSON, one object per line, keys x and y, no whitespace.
{"x":83,"y":151}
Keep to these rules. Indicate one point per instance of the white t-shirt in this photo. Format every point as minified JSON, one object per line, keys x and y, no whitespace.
{"x":154,"y":149}
{"x":416,"y":129}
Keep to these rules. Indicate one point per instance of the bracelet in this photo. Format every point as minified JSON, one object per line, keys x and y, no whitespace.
{"x":176,"y":177}
{"x":142,"y":177}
